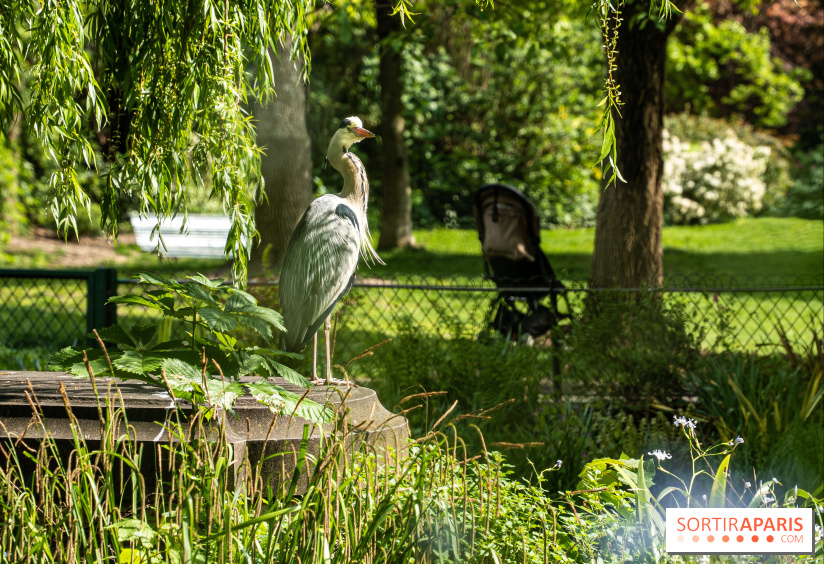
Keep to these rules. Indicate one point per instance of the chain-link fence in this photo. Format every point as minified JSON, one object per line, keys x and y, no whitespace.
{"x":59,"y":308}
{"x":54,"y":308}
{"x":744,"y":314}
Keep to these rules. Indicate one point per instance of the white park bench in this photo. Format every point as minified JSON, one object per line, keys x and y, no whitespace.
{"x":204,"y":237}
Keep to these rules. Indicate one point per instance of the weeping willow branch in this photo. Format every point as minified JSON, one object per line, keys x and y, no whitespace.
{"x":159,"y":88}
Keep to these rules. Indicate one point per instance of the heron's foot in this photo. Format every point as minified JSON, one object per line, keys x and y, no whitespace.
{"x":336,"y":382}
{"x":332,"y":382}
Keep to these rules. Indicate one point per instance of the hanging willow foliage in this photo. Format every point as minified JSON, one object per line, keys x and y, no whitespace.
{"x":159,"y":88}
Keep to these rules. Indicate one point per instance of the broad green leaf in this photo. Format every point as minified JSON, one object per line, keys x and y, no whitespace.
{"x":307,"y":408}
{"x":115,"y":334}
{"x":99,"y":365}
{"x":260,"y":326}
{"x":183,"y":370}
{"x":223,"y":393}
{"x":64,"y":359}
{"x":201,"y":279}
{"x":250,"y":365}
{"x":273,"y":352}
{"x":268,"y":394}
{"x":137,"y":362}
{"x":218,"y":320}
{"x":164,"y":298}
{"x":158,"y":280}
{"x":136,"y":300}
{"x":239,"y":298}
{"x":226,"y":341}
{"x":286,"y":373}
{"x":198,"y":292}
{"x":129,"y":556}
{"x":267,"y":314}
{"x":136,"y":531}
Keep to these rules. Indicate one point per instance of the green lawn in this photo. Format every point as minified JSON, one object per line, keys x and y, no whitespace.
{"x":742,"y":248}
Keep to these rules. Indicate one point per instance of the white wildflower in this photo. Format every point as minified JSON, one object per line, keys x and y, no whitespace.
{"x":685,"y":423}
{"x":660,"y":454}
{"x":559,"y":463}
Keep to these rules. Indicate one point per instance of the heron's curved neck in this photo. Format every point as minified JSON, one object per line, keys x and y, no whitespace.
{"x":355,"y":183}
{"x":355,"y":191}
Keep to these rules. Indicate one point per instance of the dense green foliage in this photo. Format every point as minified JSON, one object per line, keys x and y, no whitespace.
{"x":805,"y":198}
{"x":610,"y":386}
{"x":775,"y":403}
{"x":158,"y":89}
{"x":431,"y":503}
{"x":505,"y":95}
{"x":722,"y":70}
{"x":486,"y":99}
{"x":203,"y":365}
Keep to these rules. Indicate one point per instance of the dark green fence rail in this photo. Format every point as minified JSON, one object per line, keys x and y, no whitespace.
{"x":54,"y":307}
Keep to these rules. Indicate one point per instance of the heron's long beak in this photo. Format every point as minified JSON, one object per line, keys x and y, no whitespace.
{"x":361,"y":132}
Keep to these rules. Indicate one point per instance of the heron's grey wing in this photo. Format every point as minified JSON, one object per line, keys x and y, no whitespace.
{"x":320,"y":260}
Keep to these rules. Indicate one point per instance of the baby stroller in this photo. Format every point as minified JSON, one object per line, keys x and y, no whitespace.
{"x":510,"y":235}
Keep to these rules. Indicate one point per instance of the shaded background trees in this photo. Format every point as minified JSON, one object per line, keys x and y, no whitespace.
{"x":510,"y":95}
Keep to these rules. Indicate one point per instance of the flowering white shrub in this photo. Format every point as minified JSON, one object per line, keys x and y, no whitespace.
{"x":711,"y":181}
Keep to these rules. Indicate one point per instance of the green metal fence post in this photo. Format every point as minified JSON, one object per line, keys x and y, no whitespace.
{"x":101,"y":285}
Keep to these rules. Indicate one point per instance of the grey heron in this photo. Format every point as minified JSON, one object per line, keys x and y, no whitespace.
{"x":319,"y":266}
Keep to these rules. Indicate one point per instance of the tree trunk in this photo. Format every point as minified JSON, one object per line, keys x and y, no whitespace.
{"x":286,"y":166}
{"x":396,"y":191}
{"x":628,"y":248}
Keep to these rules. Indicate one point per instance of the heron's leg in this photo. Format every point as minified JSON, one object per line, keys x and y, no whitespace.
{"x":327,"y":328}
{"x":315,"y":359}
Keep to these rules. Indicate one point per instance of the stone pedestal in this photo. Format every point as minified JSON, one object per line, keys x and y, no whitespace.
{"x":255,"y":433}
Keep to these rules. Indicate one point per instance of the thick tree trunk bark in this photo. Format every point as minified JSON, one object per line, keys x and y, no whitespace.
{"x":396,"y":190}
{"x":628,"y":247}
{"x":286,"y":166}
